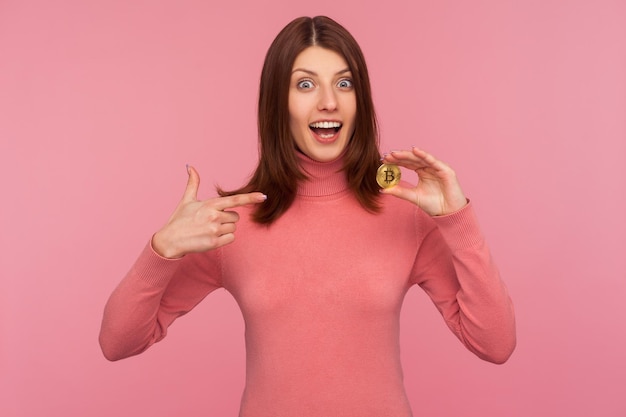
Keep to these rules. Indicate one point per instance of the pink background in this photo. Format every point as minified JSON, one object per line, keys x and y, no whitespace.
{"x":102,"y":103}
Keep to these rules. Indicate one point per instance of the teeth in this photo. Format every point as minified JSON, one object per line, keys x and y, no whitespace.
{"x":325,"y":125}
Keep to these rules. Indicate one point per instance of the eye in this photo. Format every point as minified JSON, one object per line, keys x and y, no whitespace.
{"x":345,"y":83}
{"x":305,"y":84}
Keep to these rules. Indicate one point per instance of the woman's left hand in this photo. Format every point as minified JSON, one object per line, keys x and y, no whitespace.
{"x":437,"y":192}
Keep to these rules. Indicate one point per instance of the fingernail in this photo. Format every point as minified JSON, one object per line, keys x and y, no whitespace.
{"x":187,"y":167}
{"x":263,"y":197}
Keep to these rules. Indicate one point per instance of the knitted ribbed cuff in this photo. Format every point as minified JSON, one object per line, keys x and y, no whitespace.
{"x":153,"y":268}
{"x":460,"y":229}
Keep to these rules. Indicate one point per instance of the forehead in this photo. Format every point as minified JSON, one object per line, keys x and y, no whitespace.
{"x":320,"y":61}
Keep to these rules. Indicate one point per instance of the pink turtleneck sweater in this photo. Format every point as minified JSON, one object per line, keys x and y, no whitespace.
{"x":320,"y":291}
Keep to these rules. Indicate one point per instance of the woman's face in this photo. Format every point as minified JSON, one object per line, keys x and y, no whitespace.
{"x":322,"y":103}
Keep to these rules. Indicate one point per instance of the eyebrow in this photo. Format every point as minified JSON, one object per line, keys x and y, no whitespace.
{"x":343,"y":71}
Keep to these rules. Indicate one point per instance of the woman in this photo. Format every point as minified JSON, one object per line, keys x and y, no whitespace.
{"x":322,"y":259}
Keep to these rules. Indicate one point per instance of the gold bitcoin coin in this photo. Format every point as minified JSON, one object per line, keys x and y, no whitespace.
{"x":388,"y":175}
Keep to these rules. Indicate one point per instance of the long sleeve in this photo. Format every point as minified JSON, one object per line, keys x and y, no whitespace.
{"x":154,"y":293}
{"x":455,"y":268}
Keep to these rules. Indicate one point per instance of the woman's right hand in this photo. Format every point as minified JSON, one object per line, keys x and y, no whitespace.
{"x":199,"y":226}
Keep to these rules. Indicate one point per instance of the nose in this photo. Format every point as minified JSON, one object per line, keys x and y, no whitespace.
{"x":327,"y":99}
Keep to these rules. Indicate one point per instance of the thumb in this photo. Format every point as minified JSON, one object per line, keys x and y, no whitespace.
{"x":193,"y":183}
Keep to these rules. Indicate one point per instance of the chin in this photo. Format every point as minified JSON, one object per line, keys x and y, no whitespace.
{"x":324,"y":152}
{"x":325,"y":155}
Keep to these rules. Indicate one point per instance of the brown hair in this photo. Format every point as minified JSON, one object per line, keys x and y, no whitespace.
{"x":278,"y":173}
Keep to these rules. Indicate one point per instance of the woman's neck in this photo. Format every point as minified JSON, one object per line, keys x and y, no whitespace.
{"x":324,"y":178}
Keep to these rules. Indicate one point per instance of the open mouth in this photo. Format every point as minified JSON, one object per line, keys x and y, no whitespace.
{"x":325,"y":130}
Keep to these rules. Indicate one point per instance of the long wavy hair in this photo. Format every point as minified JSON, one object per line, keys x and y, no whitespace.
{"x":278,"y":173}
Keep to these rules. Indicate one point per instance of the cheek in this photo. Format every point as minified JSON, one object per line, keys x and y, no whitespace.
{"x":295,"y":125}
{"x":295,"y":115}
{"x":349,"y":106}
{"x":351,"y":116}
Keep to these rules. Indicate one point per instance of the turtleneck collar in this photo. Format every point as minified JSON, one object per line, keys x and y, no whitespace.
{"x":324,"y":178}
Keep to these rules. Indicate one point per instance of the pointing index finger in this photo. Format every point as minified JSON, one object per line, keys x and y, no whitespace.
{"x":238,"y":200}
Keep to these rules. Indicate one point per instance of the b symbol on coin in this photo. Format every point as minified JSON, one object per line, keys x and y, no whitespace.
{"x":388,"y":175}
